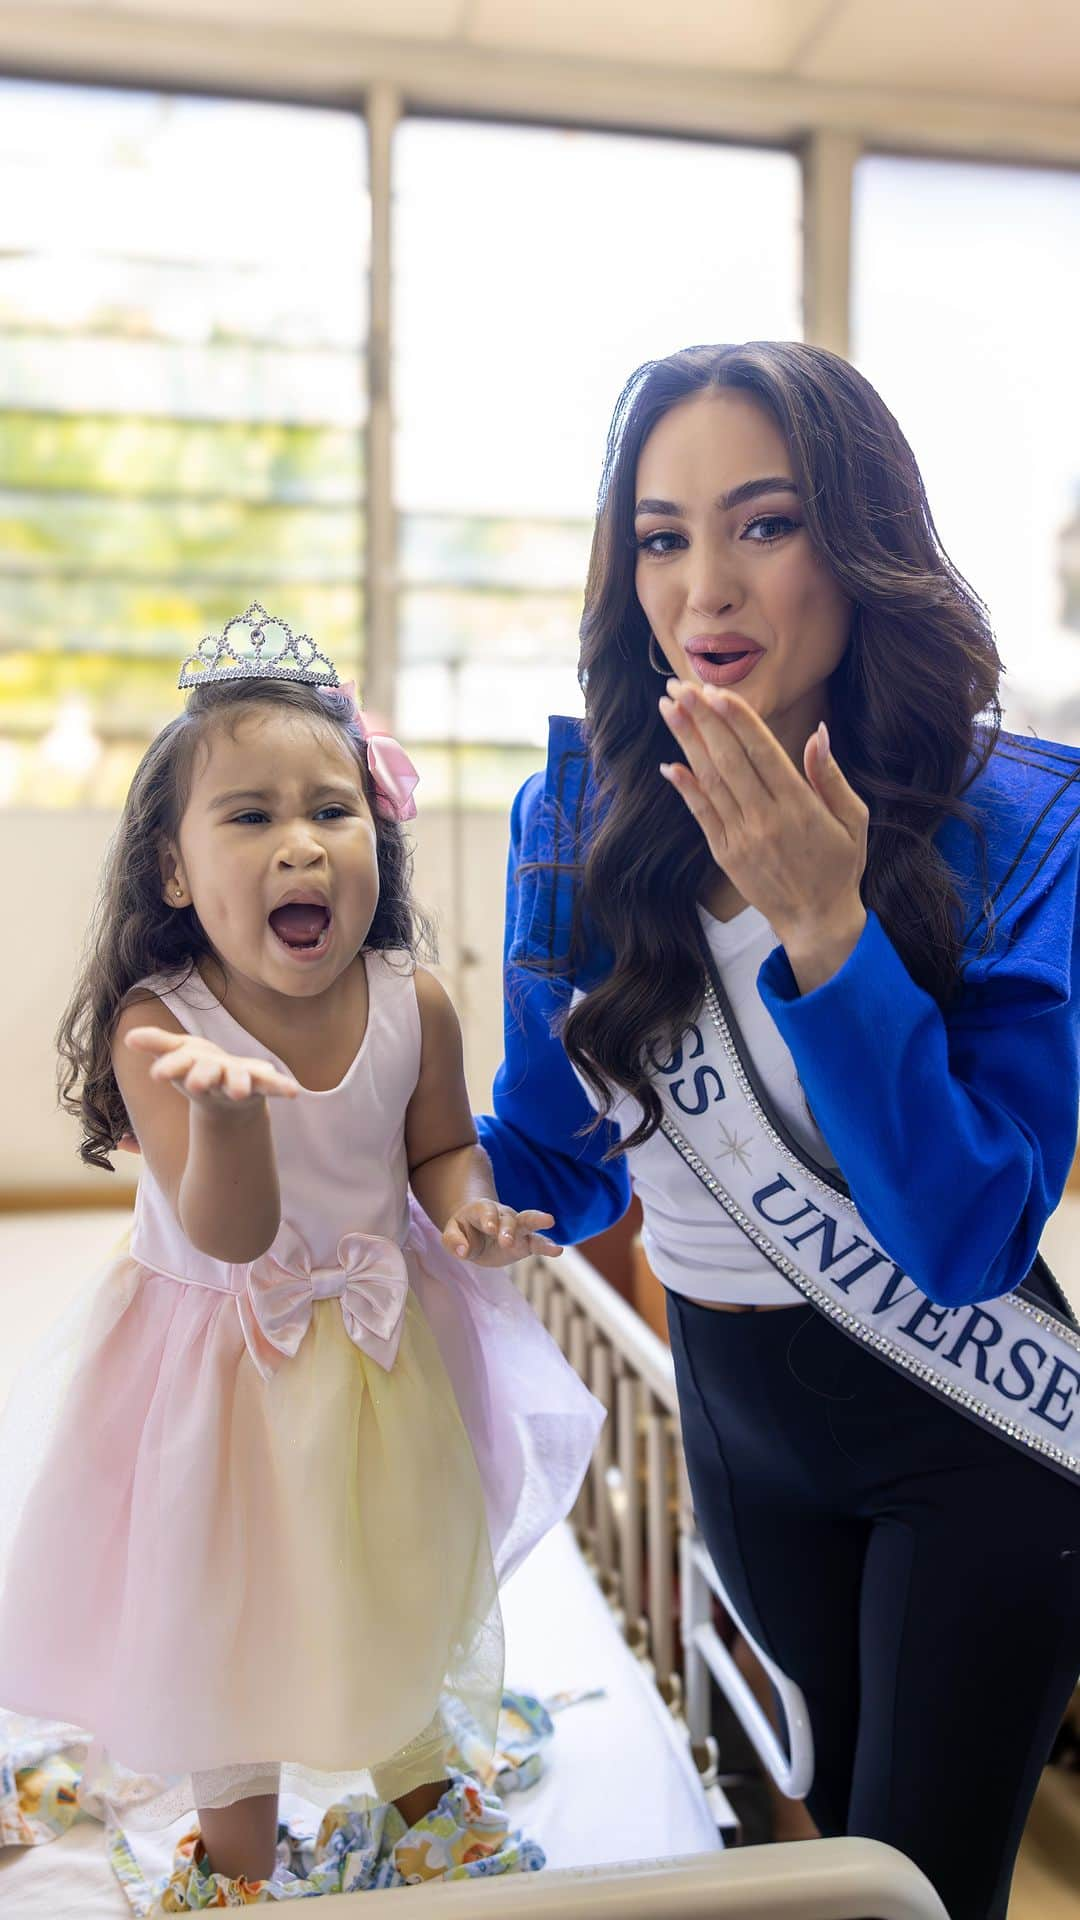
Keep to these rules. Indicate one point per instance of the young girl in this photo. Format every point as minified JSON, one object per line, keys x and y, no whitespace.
{"x":303,"y":1433}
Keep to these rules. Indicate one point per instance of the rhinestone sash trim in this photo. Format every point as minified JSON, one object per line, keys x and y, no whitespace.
{"x":851,"y":1323}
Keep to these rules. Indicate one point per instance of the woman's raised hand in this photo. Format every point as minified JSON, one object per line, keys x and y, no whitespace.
{"x":491,"y":1235}
{"x":208,"y":1075}
{"x":794,"y":848}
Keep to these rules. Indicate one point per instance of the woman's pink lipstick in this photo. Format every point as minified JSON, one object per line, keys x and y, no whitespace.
{"x":721,"y":659}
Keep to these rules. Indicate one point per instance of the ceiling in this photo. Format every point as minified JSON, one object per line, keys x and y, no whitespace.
{"x":1021,"y":51}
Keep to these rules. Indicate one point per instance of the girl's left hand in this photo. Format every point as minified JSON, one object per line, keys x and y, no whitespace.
{"x":794,"y":848}
{"x":491,"y":1235}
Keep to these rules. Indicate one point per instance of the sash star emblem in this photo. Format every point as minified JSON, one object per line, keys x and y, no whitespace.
{"x":733,"y":1148}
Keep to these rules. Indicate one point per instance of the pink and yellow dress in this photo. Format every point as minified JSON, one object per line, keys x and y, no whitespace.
{"x":270,"y":1504}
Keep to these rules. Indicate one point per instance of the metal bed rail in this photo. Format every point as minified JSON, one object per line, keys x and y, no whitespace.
{"x":634,"y":1521}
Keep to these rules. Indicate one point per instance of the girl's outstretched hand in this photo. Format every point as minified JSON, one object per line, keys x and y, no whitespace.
{"x":491,"y":1235}
{"x":208,"y":1075}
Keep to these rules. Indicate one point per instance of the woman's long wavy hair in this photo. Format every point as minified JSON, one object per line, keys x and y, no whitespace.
{"x":912,"y":701}
{"x":134,"y":933}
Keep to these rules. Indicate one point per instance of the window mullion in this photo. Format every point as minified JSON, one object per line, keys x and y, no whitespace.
{"x":380,"y":664}
{"x":829,"y":161}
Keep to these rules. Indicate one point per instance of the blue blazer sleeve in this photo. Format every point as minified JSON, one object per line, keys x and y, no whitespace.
{"x":540,"y":1154}
{"x":954,"y":1132}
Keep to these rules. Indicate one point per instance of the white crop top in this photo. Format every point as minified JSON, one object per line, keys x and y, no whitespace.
{"x":691,"y":1244}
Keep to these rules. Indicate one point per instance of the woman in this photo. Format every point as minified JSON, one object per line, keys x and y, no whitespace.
{"x":796,"y":961}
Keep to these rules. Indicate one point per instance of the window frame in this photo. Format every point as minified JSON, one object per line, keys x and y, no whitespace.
{"x":828,"y":128}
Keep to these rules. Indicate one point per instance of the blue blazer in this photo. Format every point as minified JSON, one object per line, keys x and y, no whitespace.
{"x":954,"y":1131}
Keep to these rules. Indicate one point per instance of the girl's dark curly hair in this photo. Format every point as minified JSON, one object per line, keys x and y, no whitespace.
{"x":134,"y":933}
{"x":913,"y":707}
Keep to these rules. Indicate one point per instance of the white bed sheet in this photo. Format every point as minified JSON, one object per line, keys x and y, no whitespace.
{"x":619,"y":1783}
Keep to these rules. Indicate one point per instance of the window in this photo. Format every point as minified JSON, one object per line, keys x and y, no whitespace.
{"x":535,"y":268}
{"x":966,"y":317}
{"x":183,"y":316}
{"x":183,"y":305}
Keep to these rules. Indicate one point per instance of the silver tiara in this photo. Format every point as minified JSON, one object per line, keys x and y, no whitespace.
{"x":255,"y":646}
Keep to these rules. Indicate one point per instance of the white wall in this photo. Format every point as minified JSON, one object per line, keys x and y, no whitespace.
{"x":50,"y":864}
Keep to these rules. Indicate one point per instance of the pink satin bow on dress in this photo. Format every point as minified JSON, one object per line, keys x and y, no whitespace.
{"x":370,"y":1279}
{"x":392,"y":772}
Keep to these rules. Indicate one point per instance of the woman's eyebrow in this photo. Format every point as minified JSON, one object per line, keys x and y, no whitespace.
{"x":749,"y":490}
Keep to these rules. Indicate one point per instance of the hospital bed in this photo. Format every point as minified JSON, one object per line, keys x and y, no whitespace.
{"x":630,"y":1808}
{"x":635,"y":1522}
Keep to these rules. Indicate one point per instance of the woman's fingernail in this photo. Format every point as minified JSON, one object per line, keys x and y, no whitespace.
{"x":823,"y":738}
{"x":665,"y":768}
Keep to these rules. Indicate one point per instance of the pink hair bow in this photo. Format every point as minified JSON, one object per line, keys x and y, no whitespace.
{"x":392,"y":772}
{"x":370,"y":1279}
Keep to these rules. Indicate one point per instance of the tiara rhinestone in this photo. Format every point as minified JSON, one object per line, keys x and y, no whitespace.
{"x":256,"y":646}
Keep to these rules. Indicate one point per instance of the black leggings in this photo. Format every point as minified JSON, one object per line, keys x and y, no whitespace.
{"x":917,"y":1576}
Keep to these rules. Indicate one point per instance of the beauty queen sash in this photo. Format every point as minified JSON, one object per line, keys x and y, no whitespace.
{"x":1011,"y":1363}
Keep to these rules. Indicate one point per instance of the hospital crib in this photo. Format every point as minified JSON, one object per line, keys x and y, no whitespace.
{"x":634,"y":1522}
{"x":634,"y":1525}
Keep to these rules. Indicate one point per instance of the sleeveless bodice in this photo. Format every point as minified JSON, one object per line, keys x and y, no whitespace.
{"x":342,"y":1164}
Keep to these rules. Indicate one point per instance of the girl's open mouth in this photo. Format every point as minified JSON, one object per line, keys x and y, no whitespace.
{"x":302,"y":927}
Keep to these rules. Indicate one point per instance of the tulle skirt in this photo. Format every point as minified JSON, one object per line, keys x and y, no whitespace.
{"x":272,"y":1583}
